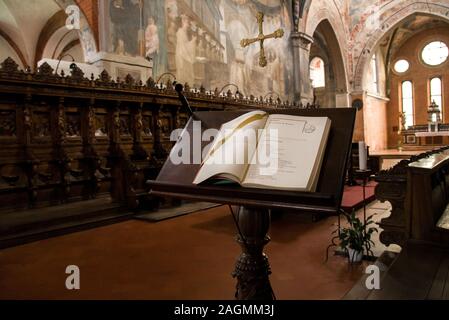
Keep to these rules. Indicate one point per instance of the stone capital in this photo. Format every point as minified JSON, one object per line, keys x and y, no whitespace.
{"x":301,"y":40}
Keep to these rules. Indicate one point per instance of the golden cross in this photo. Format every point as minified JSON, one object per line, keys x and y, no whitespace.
{"x":261,"y":38}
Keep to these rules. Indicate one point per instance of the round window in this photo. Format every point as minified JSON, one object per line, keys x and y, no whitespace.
{"x":435,"y":53}
{"x":401,"y":66}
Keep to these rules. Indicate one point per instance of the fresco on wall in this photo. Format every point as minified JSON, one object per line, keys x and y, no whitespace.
{"x":199,"y":41}
{"x":369,"y":14}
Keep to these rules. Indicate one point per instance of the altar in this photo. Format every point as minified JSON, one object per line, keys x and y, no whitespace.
{"x":419,"y":137}
{"x":432,"y":134}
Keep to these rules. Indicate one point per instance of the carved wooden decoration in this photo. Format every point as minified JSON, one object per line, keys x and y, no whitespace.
{"x":392,"y":187}
{"x":74,"y":137}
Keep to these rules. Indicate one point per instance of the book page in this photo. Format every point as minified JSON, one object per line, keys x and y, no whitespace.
{"x":234,"y":146}
{"x":296,"y":146}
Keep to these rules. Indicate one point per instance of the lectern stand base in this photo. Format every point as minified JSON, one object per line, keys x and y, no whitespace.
{"x":253,"y":269}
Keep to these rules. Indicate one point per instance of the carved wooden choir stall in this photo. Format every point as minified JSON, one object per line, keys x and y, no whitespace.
{"x":72,"y":138}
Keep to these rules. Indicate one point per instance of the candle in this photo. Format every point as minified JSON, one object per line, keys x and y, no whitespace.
{"x":363,"y":156}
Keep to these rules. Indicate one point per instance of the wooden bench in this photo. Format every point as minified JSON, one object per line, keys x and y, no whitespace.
{"x":427,"y":199}
{"x":418,"y":190}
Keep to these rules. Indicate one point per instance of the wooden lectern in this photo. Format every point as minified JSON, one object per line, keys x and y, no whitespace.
{"x":253,"y":220}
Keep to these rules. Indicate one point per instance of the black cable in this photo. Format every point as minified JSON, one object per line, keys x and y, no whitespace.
{"x":179,"y":88}
{"x":237,"y":224}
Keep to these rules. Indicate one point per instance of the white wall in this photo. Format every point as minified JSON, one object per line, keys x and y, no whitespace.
{"x":7,"y":51}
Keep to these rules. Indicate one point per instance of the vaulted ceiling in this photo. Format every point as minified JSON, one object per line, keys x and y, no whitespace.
{"x":35,"y":29}
{"x":394,"y":40}
{"x":23,"y":21}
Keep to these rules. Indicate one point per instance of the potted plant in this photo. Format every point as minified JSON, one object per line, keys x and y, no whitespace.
{"x":356,"y":238}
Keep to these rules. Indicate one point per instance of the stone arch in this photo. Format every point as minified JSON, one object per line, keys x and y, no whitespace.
{"x":56,"y":22}
{"x":387,"y":23}
{"x":327,"y":47}
{"x":319,"y":13}
{"x":12,"y":50}
{"x":61,"y":42}
{"x":85,"y":33}
{"x":27,"y":30}
{"x":306,"y":6}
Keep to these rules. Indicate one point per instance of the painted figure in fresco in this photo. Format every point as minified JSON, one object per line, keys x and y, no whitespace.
{"x":124,"y":16}
{"x":185,"y":52}
{"x":171,"y":45}
{"x":171,"y":8}
{"x":152,"y":43}
{"x":277,"y":74}
{"x":120,"y":47}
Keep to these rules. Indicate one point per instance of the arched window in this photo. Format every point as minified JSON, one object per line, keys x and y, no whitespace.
{"x":436,"y":92}
{"x":407,"y":103}
{"x":317,"y":73}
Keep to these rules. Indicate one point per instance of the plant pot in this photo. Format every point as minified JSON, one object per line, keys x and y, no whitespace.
{"x":355,"y":256}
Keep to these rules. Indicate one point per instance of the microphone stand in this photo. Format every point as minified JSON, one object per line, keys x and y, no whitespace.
{"x":72,"y":65}
{"x":179,"y":88}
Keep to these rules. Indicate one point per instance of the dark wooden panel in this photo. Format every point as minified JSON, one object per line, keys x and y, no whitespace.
{"x":440,"y":285}
{"x":412,"y":275}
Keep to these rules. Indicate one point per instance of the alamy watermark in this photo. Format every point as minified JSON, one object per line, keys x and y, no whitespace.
{"x":227,"y":147}
{"x":73,"y":281}
{"x":372,"y":282}
{"x":73,"y":17}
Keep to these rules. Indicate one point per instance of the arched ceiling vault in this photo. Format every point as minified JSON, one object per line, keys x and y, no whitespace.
{"x":23,"y":23}
{"x":29,"y":26}
{"x":403,"y":21}
{"x":56,"y":22}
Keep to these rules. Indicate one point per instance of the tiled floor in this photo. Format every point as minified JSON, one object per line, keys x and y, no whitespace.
{"x":190,"y":257}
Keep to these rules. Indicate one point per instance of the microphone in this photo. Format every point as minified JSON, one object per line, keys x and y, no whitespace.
{"x":72,"y":65}
{"x":179,"y":88}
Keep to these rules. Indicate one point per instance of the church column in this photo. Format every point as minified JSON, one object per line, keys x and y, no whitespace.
{"x":342,"y":99}
{"x":301,"y":43}
{"x":31,"y":162}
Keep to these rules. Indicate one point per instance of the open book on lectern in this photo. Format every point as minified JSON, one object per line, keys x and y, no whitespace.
{"x":269,"y":151}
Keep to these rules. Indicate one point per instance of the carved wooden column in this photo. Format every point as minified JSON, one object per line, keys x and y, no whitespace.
{"x":61,"y":158}
{"x":31,"y":162}
{"x":124,"y":171}
{"x":139,"y":151}
{"x":115,"y":124}
{"x":159,"y":154}
{"x":114,"y":152}
{"x":91,"y":159}
{"x":253,"y":269}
